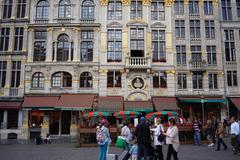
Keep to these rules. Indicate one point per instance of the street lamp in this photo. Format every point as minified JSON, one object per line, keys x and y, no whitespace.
{"x":202,"y":102}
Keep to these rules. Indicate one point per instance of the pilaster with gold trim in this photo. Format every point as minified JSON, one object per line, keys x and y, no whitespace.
{"x":104,"y":2}
{"x":168,"y":3}
{"x":126,"y":2}
{"x":146,"y":2}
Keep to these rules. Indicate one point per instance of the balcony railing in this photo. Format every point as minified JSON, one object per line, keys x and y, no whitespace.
{"x":138,"y":62}
{"x":231,"y":64}
{"x":87,"y":20}
{"x":197,"y":65}
{"x":41,"y":21}
{"x":13,"y":92}
{"x":64,"y":20}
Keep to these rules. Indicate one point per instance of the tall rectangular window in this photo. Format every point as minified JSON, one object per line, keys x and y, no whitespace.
{"x":4,"y":41}
{"x":232,"y":79}
{"x":226,"y":10}
{"x":197,"y":79}
{"x":158,"y":46}
{"x":7,"y":9}
{"x":3,"y":72}
{"x":114,"y":79}
{"x":193,"y":7}
{"x":208,"y":8}
{"x":196,"y":53}
{"x":211,"y":55}
{"x":21,"y":8}
{"x":114,"y":45}
{"x":182,"y":80}
{"x":157,"y":10}
{"x":180,"y":28}
{"x":40,"y":45}
{"x":238,"y":8}
{"x":18,"y":39}
{"x":114,"y":10}
{"x":195,"y":31}
{"x":179,"y":7}
{"x":137,"y":42}
{"x":16,"y":74}
{"x":210,"y":29}
{"x":160,"y":80}
{"x":229,"y":45}
{"x":87,"y":46}
{"x":181,"y":54}
{"x":212,"y":81}
{"x":136,"y":9}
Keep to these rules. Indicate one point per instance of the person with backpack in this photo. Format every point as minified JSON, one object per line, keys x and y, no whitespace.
{"x":158,"y":143}
{"x":103,"y":139}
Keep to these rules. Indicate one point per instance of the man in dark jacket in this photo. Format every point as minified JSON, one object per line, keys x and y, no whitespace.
{"x":143,"y":138}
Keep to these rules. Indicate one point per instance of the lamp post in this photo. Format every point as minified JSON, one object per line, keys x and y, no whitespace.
{"x":202,"y":102}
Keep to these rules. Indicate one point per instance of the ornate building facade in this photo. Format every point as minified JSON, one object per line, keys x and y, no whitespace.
{"x":110,"y":55}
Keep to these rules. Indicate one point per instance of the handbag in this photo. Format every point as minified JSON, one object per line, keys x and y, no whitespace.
{"x":120,"y":143}
{"x":161,"y":137}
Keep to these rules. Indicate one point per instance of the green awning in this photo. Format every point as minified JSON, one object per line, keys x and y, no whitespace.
{"x":206,"y":100}
{"x":138,"y":106}
{"x":147,"y":110}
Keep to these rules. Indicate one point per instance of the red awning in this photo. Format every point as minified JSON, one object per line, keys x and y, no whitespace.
{"x":236,"y":102}
{"x":40,"y":101}
{"x":110,"y":103}
{"x":10,"y":105}
{"x":140,"y":106}
{"x":165,"y":103}
{"x":61,"y":102}
{"x":84,"y":101}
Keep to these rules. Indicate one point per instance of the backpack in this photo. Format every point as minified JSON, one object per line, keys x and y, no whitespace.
{"x":100,"y":136}
{"x":161,"y":137}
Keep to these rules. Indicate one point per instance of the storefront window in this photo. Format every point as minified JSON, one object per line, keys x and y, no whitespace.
{"x":35,"y":119}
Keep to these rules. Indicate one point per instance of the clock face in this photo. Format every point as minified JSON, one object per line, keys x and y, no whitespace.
{"x":137,"y":83}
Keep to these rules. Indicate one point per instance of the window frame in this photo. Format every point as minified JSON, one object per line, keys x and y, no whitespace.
{"x":87,"y":44}
{"x":86,"y":13}
{"x":16,"y":74}
{"x":7,"y":9}
{"x":181,"y":55}
{"x":44,"y":9}
{"x":112,"y":55}
{"x":195,"y":28}
{"x":197,"y":81}
{"x":211,"y":54}
{"x":85,"y":77}
{"x":64,"y":9}
{"x":21,"y":8}
{"x":18,"y":38}
{"x":61,"y":80}
{"x":112,"y":82}
{"x":193,"y":7}
{"x":3,"y":73}
{"x":180,"y":29}
{"x":182,"y":81}
{"x":226,"y":10}
{"x":213,"y":81}
{"x":209,"y":29}
{"x":229,"y":45}
{"x":179,"y":7}
{"x":136,"y":9}
{"x":208,"y":7}
{"x":38,"y":80}
{"x":159,"y":79}
{"x":160,"y":53}
{"x":116,"y":14}
{"x":158,"y":11}
{"x":4,"y":39}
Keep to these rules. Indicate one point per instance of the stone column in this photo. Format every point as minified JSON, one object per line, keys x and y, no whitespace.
{"x":73,"y":127}
{"x":49,"y":45}
{"x":8,"y":77}
{"x":11,"y":37}
{"x":5,"y":117}
{"x":25,"y":126}
{"x":1,"y":8}
{"x":27,"y":11}
{"x":20,"y":116}
{"x":103,"y":82}
{"x":69,"y":51}
{"x":25,"y":38}
{"x":45,"y":126}
{"x":55,"y":52}
{"x":14,"y":9}
{"x":30,"y":44}
{"x":76,"y":52}
{"x":171,"y":82}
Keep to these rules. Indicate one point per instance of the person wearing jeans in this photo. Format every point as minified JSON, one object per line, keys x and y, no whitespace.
{"x":235,"y":130}
{"x":103,"y":151}
{"x":220,"y":134}
{"x":197,"y":133}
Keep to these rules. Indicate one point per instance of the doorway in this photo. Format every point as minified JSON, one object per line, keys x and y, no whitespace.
{"x":54,"y":122}
{"x":65,"y":122}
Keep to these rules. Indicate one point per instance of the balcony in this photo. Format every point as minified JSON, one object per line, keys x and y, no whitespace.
{"x":194,"y":15}
{"x":41,"y":21}
{"x":231,"y":64}
{"x":197,"y":65}
{"x":87,"y":20}
{"x":138,"y":62}
{"x":64,"y":20}
{"x":13,"y":92}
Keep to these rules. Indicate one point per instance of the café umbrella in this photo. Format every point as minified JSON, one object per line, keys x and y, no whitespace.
{"x":160,"y":113}
{"x":127,"y":114}
{"x":96,"y":114}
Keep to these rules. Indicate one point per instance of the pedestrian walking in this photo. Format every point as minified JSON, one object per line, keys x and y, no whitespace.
{"x":134,"y":150}
{"x":220,"y":135}
{"x":172,"y":140}
{"x":127,"y":135}
{"x":103,"y":137}
{"x":234,"y":135}
{"x":209,"y":133}
{"x":197,"y":132}
{"x":143,"y":138}
{"x":157,"y":132}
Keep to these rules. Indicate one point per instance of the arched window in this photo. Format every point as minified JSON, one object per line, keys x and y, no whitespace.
{"x":38,"y":80}
{"x":64,"y":9}
{"x":86,"y":79}
{"x":63,"y":48}
{"x":42,"y":10}
{"x":7,"y":9}
{"x":88,"y":10}
{"x":61,"y":79}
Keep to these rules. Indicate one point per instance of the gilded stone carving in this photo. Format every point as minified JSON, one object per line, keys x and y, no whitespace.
{"x":168,"y":3}
{"x":126,"y":2}
{"x":215,"y":2}
{"x":104,"y":2}
{"x":186,"y":2}
{"x":50,"y":29}
{"x":147,"y":2}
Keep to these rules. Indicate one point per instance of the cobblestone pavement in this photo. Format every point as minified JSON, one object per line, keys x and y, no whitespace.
{"x":70,"y":152}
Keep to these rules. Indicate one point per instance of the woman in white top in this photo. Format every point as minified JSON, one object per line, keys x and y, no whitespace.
{"x":127,"y":135}
{"x":172,"y":140}
{"x":157,"y":131}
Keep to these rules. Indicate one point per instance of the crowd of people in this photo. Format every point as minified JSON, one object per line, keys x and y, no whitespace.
{"x":147,"y":142}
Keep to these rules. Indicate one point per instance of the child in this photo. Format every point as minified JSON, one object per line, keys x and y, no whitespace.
{"x":134,"y":150}
{"x":47,"y":139}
